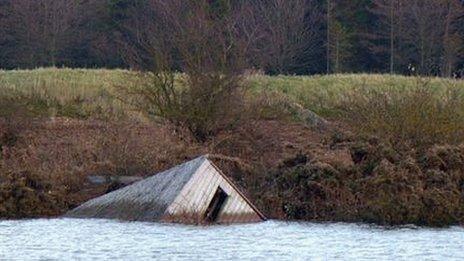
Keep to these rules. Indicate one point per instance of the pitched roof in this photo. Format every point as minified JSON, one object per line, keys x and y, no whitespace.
{"x":146,"y":200}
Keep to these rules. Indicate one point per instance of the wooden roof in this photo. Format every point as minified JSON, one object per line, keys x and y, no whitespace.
{"x":146,"y":200}
{"x":150,"y":199}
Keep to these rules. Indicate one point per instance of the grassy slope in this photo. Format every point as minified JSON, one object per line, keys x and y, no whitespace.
{"x":64,"y":92}
{"x":324,"y":93}
{"x":86,"y":92}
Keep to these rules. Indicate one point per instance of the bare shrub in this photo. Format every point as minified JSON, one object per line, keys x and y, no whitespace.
{"x":203,"y":43}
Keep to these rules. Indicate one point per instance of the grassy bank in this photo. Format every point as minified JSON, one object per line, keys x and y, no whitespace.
{"x":391,"y":155}
{"x":95,"y":90}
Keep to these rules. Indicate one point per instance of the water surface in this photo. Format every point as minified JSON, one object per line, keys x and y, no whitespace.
{"x":69,"y":239}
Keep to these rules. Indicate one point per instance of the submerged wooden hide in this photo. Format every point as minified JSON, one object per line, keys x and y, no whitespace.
{"x":194,"y":192}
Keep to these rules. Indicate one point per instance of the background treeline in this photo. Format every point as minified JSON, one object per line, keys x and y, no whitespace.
{"x":283,"y":36}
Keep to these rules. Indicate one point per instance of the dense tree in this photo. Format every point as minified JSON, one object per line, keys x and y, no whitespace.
{"x":338,"y":38}
{"x":423,"y":35}
{"x":41,"y":30}
{"x":388,"y":29}
{"x":453,"y":43}
{"x":284,"y":36}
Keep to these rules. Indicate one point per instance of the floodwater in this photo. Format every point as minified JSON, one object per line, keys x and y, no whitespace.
{"x":70,"y":239}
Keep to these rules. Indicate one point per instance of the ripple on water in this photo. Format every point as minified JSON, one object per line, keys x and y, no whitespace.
{"x":66,"y":239}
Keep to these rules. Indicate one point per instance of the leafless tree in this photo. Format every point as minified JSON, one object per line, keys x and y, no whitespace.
{"x":388,"y":12}
{"x":422,"y":33}
{"x":206,"y":46}
{"x":290,"y":30}
{"x":328,"y":32}
{"x":453,"y":44}
{"x":42,"y":28}
{"x":391,"y":29}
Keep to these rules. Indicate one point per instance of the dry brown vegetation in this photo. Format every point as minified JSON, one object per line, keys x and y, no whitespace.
{"x":328,"y":175}
{"x":379,"y":185}
{"x":390,"y":156}
{"x":419,"y":116}
{"x":47,"y":161}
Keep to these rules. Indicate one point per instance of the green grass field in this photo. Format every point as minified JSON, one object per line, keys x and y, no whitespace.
{"x":82,"y":92}
{"x":324,"y":94}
